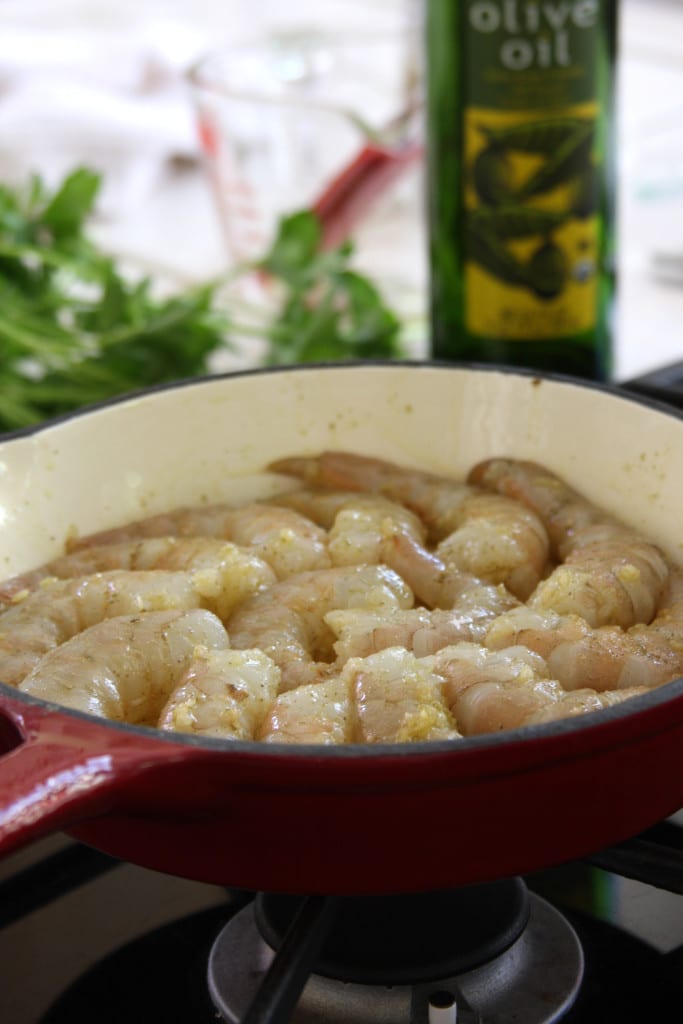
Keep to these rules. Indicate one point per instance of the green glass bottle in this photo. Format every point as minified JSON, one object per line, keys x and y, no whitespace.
{"x":521,"y":182}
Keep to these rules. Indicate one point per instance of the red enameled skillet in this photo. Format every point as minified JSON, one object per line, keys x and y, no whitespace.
{"x":354,"y":819}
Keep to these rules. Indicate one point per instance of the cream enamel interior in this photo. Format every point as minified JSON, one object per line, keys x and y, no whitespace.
{"x":209,"y":441}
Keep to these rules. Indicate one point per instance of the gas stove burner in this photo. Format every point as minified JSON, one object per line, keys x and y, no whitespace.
{"x":390,"y":940}
{"x":494,"y":952}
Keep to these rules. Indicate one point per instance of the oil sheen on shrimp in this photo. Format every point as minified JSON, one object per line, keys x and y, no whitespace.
{"x":360,"y":632}
{"x":604,"y":658}
{"x":488,"y":691}
{"x":465,"y":608}
{"x":288,"y":541}
{"x":287,"y":620}
{"x":493,"y":537}
{"x":610,"y":574}
{"x":60,"y":609}
{"x":493,"y":706}
{"x":611,"y":577}
{"x":564,"y":511}
{"x":358,"y":524}
{"x":580,"y":702}
{"x":224,"y":694}
{"x":320,"y":713}
{"x":169,"y":553}
{"x":464,"y":664}
{"x":124,"y":668}
{"x":387,"y":698}
{"x":398,"y":698}
{"x":441,"y":586}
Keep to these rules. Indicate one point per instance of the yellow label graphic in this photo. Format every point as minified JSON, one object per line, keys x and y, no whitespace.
{"x":531,"y":223}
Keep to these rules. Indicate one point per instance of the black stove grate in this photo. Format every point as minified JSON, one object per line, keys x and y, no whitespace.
{"x":664,"y":384}
{"x":160,"y":978}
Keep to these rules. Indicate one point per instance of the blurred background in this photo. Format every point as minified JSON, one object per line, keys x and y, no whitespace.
{"x":105,"y":83}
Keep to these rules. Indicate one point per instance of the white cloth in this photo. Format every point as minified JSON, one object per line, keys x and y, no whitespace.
{"x":103,"y":82}
{"x":114,"y":99}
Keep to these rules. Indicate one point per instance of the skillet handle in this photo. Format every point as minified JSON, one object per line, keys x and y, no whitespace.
{"x":53,"y":772}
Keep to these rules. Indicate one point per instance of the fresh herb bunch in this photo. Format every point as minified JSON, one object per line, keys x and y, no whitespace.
{"x":328,"y":310}
{"x":74,"y":330}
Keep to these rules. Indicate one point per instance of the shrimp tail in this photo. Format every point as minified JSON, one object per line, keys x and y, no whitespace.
{"x":344,"y":470}
{"x":306,"y":468}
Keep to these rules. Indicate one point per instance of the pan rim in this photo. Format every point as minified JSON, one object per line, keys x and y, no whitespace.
{"x":614,"y":389}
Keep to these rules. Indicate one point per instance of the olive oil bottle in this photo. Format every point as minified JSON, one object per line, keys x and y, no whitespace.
{"x":520,"y":172}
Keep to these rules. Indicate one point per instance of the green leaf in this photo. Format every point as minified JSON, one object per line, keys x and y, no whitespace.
{"x":328,"y":311}
{"x":295,"y":246}
{"x":66,"y":212}
{"x":74,"y":330}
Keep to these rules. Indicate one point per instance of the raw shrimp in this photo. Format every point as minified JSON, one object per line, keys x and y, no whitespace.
{"x":287,"y":620}
{"x":124,"y":668}
{"x":441,"y":586}
{"x":492,"y":706}
{"x":320,"y":640}
{"x":465,"y":664}
{"x":59,"y":609}
{"x":423,"y":631}
{"x":488,"y":691}
{"x":320,"y":713}
{"x":171,"y":553}
{"x":499,"y":541}
{"x":563,"y":510}
{"x":493,"y":537}
{"x":359,"y":524}
{"x":466,"y":607}
{"x":321,"y":506}
{"x":387,"y":698}
{"x":398,"y":698}
{"x":230,"y":577}
{"x":362,"y":528}
{"x":609,"y":575}
{"x":224,"y":694}
{"x":606,"y":658}
{"x":581,"y":702}
{"x":288,"y":541}
{"x":433,"y":498}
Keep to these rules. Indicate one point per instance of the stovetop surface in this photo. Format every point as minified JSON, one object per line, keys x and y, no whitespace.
{"x":132,"y":945}
{"x":160,"y":978}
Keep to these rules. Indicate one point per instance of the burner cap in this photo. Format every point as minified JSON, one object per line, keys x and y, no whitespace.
{"x":410,"y":938}
{"x":535,"y":981}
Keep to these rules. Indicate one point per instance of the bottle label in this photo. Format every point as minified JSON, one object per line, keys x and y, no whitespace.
{"x":532,"y":170}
